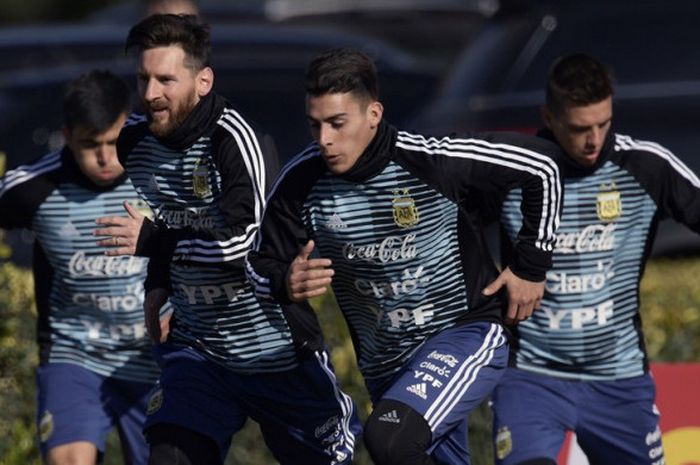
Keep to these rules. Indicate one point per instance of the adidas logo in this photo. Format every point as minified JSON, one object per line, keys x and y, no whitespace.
{"x":419,"y":390}
{"x":335,"y":222}
{"x":390,"y":417}
{"x":69,"y":230}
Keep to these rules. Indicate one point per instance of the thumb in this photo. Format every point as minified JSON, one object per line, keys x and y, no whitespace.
{"x":495,"y":285}
{"x":305,"y":251}
{"x":131,"y":210}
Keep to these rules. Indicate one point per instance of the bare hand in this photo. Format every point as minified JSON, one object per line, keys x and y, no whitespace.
{"x":308,"y":278}
{"x":523,"y":296}
{"x":124,"y":232}
{"x":157,"y":327}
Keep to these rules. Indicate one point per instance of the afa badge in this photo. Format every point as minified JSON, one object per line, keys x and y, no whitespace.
{"x":405,"y":211}
{"x":608,"y":203}
{"x":142,"y":207}
{"x":155,"y":401}
{"x":504,"y":443}
{"x":200,"y":179}
{"x":45,"y":426}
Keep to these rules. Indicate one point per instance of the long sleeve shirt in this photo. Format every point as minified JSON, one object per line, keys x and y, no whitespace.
{"x":206,"y":185}
{"x":408,"y":257}
{"x":90,"y":306}
{"x":589,"y":327}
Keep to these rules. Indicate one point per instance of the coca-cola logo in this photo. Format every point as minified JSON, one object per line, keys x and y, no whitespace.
{"x":82,"y":264}
{"x":592,"y":238}
{"x":196,"y":218}
{"x":391,"y":249}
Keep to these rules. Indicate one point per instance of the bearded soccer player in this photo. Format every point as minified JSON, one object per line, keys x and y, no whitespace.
{"x":203,"y":169}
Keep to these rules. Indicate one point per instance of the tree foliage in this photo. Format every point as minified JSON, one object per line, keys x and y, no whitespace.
{"x":670,"y":314}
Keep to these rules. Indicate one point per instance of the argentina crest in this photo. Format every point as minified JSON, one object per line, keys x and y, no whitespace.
{"x":142,"y":207}
{"x":504,"y":443}
{"x":200,"y":178}
{"x":405,"y":210}
{"x":608,"y":203}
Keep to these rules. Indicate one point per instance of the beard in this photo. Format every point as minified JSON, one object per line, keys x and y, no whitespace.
{"x":165,"y":127}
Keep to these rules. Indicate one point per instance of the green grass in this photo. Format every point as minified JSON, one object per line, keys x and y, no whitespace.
{"x":670,"y":314}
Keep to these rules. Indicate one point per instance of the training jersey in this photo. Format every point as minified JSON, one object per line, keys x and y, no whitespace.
{"x":206,"y":185}
{"x":589,"y":326}
{"x":408,"y":259}
{"x":90,"y":306}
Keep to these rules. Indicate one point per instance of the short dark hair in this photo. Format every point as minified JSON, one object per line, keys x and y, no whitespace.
{"x":95,"y":100}
{"x":187,"y":31}
{"x":577,"y":80}
{"x":341,"y":70}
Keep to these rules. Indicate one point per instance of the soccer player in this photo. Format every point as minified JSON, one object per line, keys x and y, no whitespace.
{"x":95,"y":368}
{"x":382,"y":208}
{"x":202,"y":169}
{"x":579,"y":363}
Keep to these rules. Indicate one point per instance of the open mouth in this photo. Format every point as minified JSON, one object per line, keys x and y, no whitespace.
{"x":159,"y":112}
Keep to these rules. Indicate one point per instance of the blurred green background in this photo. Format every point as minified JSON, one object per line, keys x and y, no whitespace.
{"x":671,"y":318}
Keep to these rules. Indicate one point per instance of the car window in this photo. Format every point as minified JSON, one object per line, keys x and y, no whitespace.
{"x":259,"y":69}
{"x":640,"y":46}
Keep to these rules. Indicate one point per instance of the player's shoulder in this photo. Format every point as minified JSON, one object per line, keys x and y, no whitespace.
{"x":233,"y":126}
{"x":136,"y":123}
{"x":647,"y":158}
{"x":38,"y":171}
{"x":626,"y":143}
{"x":236,"y":137}
{"x":135,"y":128}
{"x":301,"y":171}
{"x":642,"y":154}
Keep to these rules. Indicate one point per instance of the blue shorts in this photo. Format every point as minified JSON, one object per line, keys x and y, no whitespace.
{"x":76,"y":404}
{"x":614,"y":421}
{"x":303,"y":415}
{"x":449,"y":377}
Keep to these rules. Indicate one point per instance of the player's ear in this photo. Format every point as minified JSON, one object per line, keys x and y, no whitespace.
{"x":204,"y":81}
{"x":375,"y":110}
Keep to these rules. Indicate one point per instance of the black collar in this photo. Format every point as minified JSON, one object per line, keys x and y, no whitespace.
{"x":570,"y":167}
{"x":201,"y":120}
{"x":375,"y":157}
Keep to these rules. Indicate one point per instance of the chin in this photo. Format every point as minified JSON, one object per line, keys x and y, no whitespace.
{"x":160,"y":129}
{"x":337,"y":169}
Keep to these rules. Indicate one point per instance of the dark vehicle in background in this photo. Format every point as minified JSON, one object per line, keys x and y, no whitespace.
{"x":260,"y":50}
{"x":652,"y":47}
{"x":258,"y":67}
{"x":445,"y":66}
